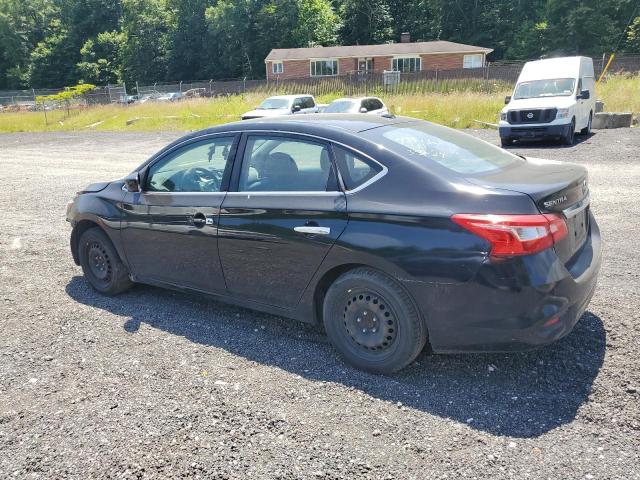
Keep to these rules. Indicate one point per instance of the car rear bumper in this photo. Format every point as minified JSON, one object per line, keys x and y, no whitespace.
{"x":524,"y":132}
{"x":514,"y":304}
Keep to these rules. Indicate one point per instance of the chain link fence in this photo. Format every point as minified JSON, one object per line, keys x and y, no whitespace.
{"x":492,"y":77}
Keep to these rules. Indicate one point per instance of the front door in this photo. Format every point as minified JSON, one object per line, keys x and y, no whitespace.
{"x":287,"y":212}
{"x":170,"y":229}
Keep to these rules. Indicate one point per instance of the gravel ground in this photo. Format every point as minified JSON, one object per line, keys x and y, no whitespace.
{"x":159,"y":384}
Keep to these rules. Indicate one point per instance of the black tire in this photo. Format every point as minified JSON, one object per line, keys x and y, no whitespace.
{"x":393,"y":334}
{"x":506,"y":142}
{"x":569,"y":137}
{"x":587,"y":130}
{"x":101,"y":263}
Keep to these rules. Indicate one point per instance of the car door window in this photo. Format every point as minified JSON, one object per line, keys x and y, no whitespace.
{"x":355,"y":170}
{"x":197,"y":167}
{"x":284,"y":164}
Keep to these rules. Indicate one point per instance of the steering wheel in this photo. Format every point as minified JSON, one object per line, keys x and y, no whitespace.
{"x":200,"y":179}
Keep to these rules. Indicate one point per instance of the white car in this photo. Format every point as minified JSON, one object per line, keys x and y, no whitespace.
{"x":283,"y":105}
{"x":370,"y":105}
{"x":170,"y":97}
{"x":553,"y":98}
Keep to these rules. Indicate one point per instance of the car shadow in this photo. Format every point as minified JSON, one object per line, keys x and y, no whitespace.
{"x":544,"y":144}
{"x":519,"y":395}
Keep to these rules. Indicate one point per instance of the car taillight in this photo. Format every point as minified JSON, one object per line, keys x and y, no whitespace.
{"x":515,"y":234}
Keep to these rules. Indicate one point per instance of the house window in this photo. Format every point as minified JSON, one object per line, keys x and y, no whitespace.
{"x":324,"y":68}
{"x":277,"y":67}
{"x":406,"y":64}
{"x":473,"y":61}
{"x":365,"y":64}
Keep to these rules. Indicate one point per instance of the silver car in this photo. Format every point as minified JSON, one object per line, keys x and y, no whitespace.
{"x":283,"y":105}
{"x":370,"y":105}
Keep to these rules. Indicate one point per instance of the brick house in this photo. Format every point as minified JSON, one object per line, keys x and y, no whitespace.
{"x":405,"y":57}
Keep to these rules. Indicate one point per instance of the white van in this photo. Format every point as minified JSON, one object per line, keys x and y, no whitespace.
{"x":553,"y":98}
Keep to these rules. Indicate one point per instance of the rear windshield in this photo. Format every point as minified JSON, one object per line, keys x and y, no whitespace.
{"x":340,"y":106}
{"x":273,"y":103}
{"x":456,"y":151}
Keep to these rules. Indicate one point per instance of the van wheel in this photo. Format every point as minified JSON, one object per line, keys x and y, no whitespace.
{"x":373,"y":322}
{"x":506,"y":142}
{"x":568,"y":138}
{"x":101,"y":264}
{"x":587,"y":130}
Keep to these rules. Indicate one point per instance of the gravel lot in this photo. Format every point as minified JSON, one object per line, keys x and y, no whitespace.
{"x":159,"y":384}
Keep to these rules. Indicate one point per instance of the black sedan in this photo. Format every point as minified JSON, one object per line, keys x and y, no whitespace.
{"x":392,"y":232}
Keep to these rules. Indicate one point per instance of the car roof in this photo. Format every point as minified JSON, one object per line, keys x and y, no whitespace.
{"x":290,"y":97}
{"x":326,"y":121}
{"x":353,"y":99}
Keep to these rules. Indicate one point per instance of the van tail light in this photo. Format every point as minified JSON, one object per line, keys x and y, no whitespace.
{"x":515,"y":234}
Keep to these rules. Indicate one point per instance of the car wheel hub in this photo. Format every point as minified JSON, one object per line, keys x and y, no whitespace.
{"x":369,"y":321}
{"x":99,"y":262}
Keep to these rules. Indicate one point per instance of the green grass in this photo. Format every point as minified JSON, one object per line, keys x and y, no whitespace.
{"x":455,"y":104}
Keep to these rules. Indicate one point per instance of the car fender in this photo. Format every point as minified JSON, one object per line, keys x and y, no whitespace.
{"x":103,"y":209}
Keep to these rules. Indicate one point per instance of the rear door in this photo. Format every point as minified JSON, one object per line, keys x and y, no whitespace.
{"x":170,"y":229}
{"x":287,"y":212}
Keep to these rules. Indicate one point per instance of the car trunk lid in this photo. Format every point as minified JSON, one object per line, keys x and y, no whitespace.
{"x":555,"y":187}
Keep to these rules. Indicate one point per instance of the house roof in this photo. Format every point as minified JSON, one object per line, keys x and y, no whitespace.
{"x":385,"y":49}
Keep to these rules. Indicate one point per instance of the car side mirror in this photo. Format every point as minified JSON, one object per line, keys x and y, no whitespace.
{"x":363,"y":110}
{"x":132,"y":182}
{"x":296,"y":108}
{"x":507,"y":99}
{"x":584,"y":95}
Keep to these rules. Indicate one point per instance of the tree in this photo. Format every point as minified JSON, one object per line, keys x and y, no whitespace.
{"x":101,"y":59}
{"x":23,"y":24}
{"x":633,"y":36}
{"x":146,"y":25}
{"x":316,"y":24}
{"x":52,"y":61}
{"x":187,"y":44}
{"x":367,"y":21}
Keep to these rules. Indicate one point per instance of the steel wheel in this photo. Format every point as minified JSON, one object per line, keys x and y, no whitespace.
{"x":369,"y":321}
{"x":372,"y":321}
{"x":101,"y":264}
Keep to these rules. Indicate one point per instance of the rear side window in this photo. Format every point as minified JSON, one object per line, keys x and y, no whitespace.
{"x":375,"y":104}
{"x":459,"y":152}
{"x":283,"y":164}
{"x":355,"y":170}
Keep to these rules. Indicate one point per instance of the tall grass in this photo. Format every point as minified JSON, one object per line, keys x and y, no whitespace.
{"x":455,"y":103}
{"x":620,"y":93}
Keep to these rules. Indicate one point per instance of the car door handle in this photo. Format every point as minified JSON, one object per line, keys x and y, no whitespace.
{"x":313,"y":230}
{"x":199,"y":220}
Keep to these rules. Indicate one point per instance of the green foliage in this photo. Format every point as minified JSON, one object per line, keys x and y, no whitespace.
{"x":47,"y":43}
{"x":146,"y":25}
{"x":369,"y":21}
{"x":633,"y":37}
{"x":68,"y":94}
{"x":101,"y":59}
